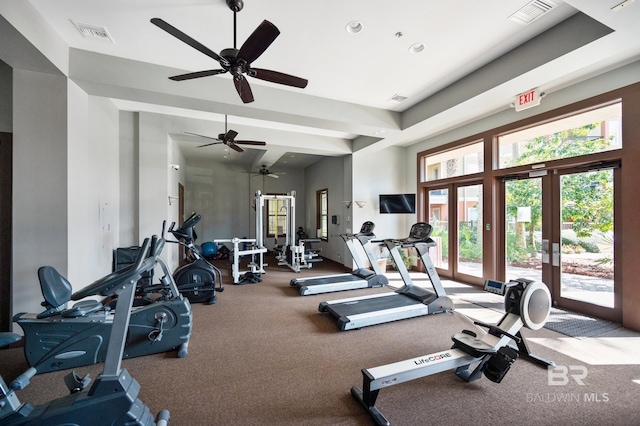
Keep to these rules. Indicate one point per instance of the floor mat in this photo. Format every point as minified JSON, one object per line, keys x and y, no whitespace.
{"x":565,"y":322}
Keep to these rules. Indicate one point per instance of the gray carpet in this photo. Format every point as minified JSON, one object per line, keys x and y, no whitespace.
{"x":568,"y":323}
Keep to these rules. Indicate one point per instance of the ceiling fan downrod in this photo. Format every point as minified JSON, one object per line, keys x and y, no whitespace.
{"x":236,"y":6}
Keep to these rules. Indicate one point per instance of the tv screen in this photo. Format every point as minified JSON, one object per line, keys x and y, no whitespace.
{"x":398,"y":203}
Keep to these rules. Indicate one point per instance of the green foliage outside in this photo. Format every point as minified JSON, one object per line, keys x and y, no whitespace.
{"x":587,"y":197}
{"x":441,"y":231}
{"x":469,"y":248}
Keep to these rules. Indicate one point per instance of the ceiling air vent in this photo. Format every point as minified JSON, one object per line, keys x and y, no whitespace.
{"x":532,"y":11}
{"x":91,"y":31}
{"x":399,"y":98}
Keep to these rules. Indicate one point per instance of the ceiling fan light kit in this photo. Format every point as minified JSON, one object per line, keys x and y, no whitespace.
{"x":235,"y":61}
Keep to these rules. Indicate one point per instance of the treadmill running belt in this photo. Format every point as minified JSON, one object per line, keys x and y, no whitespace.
{"x":331,"y":280}
{"x":374,"y":304}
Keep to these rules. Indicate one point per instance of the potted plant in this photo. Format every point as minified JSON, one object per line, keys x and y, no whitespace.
{"x":404,"y":255}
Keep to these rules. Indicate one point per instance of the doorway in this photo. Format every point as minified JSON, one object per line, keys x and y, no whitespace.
{"x":559,"y":228}
{"x":455,"y":212}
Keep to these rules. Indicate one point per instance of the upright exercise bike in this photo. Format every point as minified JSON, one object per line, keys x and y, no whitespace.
{"x":113,"y":398}
{"x":197,"y":279}
{"x":64,"y":337}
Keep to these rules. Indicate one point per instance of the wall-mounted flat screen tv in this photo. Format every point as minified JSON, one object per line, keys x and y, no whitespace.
{"x":397,"y":203}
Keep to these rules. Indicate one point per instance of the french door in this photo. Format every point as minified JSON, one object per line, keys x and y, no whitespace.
{"x":559,"y":228}
{"x":455,"y":212}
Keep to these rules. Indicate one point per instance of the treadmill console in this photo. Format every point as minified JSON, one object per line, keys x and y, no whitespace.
{"x":420,"y":231}
{"x":367,"y":228}
{"x":496,"y":287}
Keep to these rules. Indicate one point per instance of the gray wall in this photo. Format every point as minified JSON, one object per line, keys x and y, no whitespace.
{"x":40,"y":193}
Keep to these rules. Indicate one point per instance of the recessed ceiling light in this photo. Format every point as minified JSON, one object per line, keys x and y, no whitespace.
{"x":416,"y":48}
{"x":354,"y":27}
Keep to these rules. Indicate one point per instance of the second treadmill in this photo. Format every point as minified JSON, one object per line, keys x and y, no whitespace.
{"x":406,"y":302}
{"x":361,"y":277}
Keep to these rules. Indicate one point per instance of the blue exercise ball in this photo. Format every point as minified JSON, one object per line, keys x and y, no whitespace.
{"x":209,"y":249}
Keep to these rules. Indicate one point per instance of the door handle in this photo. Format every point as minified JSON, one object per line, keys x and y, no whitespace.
{"x":545,"y":251}
{"x":555,"y":254}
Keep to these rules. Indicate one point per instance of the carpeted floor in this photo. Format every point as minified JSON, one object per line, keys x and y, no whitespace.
{"x":264,"y":355}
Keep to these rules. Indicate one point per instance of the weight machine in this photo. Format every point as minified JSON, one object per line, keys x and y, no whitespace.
{"x":253,"y":250}
{"x":292,"y":254}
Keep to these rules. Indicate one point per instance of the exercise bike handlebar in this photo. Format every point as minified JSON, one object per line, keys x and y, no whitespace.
{"x":107,"y":285}
{"x":497,"y":331}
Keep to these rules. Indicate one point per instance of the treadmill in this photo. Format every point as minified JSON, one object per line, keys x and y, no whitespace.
{"x":361,"y":277}
{"x":408,"y":301}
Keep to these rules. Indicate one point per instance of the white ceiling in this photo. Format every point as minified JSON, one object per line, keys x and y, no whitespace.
{"x":471,"y":65}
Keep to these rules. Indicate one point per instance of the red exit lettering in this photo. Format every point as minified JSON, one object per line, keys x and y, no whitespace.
{"x":525,"y":98}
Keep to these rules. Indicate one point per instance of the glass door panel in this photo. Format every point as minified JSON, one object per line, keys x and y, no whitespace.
{"x":586,"y":246}
{"x":439,"y":219}
{"x":469,"y":217}
{"x":523,"y":229}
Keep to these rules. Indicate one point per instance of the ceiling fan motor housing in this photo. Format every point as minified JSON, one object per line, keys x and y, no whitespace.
{"x":235,"y":5}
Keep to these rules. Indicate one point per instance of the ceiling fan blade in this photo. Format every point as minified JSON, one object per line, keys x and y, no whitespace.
{"x":243,"y":88}
{"x":251,"y":143}
{"x":230,"y":136}
{"x":202,"y":136}
{"x":258,"y":41}
{"x":235,"y":147}
{"x":278,"y":77}
{"x":197,"y":74}
{"x":208,"y":144}
{"x":188,"y":40}
{"x":273,"y":176}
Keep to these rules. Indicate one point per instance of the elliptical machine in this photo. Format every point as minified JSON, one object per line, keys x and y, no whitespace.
{"x":60,"y":338}
{"x":195,"y":280}
{"x":113,"y":398}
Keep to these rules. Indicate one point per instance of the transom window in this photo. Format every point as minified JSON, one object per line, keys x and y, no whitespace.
{"x":589,"y":132}
{"x":460,"y":161}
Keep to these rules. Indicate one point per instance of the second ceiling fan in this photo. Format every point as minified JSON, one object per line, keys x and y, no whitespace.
{"x":235,"y":61}
{"x":228,"y":138}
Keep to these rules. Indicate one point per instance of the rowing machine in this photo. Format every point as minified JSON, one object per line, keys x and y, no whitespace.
{"x":527,"y":303}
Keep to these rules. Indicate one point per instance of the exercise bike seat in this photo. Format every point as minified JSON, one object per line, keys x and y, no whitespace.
{"x":469,"y":343}
{"x":56,"y":291}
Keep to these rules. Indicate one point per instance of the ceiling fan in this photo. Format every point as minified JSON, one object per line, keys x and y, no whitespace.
{"x":265,"y":172}
{"x":234,"y":61}
{"x":227,"y":138}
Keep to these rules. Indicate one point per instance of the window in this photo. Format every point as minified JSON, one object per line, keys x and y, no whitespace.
{"x":589,"y":132}
{"x":276,"y":218}
{"x":456,"y":162}
{"x":322,"y":206}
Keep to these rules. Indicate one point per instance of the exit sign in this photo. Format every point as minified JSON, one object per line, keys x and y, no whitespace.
{"x":527,"y":99}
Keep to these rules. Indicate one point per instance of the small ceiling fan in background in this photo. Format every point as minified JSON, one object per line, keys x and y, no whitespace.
{"x":227,"y":138}
{"x":234,"y":61}
{"x":265,"y":172}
